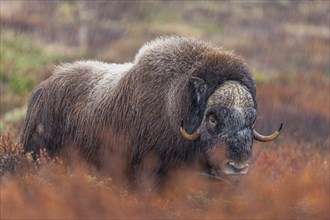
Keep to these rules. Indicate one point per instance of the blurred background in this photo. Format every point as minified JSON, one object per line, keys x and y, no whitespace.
{"x":285,"y":43}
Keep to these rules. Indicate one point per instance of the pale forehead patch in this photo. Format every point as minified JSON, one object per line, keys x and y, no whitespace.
{"x":232,"y":94}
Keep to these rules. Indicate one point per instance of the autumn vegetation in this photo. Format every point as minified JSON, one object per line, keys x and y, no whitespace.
{"x":286,"y":45}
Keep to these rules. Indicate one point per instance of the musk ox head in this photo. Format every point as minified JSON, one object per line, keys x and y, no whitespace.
{"x":226,"y":130}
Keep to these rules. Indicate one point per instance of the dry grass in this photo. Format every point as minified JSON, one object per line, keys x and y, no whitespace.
{"x":285,"y":182}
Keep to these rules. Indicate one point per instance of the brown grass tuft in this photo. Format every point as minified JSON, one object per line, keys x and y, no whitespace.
{"x":285,"y":182}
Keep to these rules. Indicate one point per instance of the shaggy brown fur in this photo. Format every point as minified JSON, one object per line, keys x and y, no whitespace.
{"x":135,"y":108}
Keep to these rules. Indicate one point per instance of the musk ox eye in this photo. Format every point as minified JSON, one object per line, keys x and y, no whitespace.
{"x":212,"y":119}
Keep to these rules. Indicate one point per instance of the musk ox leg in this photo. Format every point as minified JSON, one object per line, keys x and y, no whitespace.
{"x":32,"y":146}
{"x":36,"y":135}
{"x":161,"y":176}
{"x":91,"y":154}
{"x":145,"y":170}
{"x":29,"y":137}
{"x":133,"y":169}
{"x":162,"y":170}
{"x":36,"y":139}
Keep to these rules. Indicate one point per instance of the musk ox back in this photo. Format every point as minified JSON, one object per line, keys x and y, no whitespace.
{"x":179,"y":100}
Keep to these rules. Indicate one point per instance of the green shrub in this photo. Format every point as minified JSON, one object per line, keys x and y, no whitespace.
{"x":261,"y":78}
{"x":23,"y":65}
{"x":18,"y":85}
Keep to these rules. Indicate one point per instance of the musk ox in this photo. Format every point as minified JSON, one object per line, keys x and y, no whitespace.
{"x":180,"y":99}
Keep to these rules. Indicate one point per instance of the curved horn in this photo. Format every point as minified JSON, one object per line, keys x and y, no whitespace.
{"x":271,"y":137}
{"x":190,"y":137}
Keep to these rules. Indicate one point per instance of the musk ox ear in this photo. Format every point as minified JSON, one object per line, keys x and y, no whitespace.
{"x":197,"y":88}
{"x":197,"y":92}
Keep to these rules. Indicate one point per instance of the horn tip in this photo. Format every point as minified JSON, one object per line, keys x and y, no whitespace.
{"x":281,"y":126}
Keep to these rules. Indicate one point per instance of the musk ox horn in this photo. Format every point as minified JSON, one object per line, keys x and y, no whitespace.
{"x":263,"y":138}
{"x":190,"y":137}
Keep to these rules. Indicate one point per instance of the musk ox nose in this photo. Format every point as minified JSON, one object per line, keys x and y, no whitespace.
{"x":235,"y":168}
